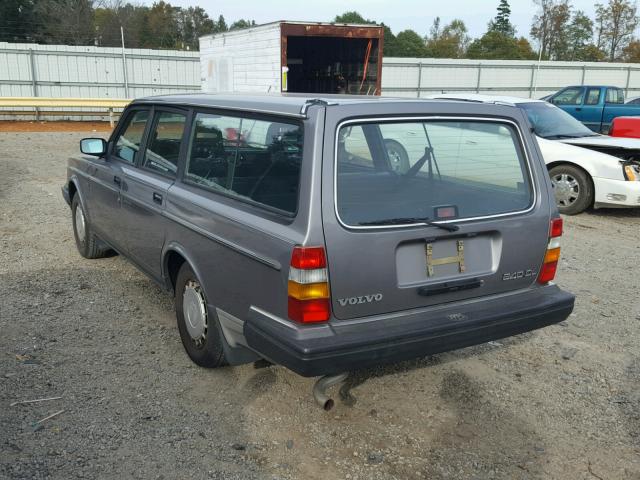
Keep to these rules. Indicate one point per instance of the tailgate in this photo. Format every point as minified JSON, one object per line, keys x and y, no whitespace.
{"x":392,"y":177}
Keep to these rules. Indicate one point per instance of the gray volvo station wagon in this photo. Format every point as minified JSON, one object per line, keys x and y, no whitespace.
{"x":327,"y":234}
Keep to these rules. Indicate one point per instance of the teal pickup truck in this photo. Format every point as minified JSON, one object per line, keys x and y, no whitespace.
{"x":594,"y":105}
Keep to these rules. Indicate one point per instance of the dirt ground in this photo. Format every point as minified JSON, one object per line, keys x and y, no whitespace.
{"x":559,"y":403}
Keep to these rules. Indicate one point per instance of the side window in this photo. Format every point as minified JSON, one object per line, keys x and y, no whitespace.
{"x":128,"y":142}
{"x":593,"y":96}
{"x":213,"y":149}
{"x":569,"y":96}
{"x":163,"y":146}
{"x":251,"y":159}
{"x":615,"y":95}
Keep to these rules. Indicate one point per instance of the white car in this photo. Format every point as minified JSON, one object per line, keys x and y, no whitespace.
{"x":581,"y":173}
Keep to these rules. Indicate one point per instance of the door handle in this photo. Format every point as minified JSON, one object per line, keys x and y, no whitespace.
{"x":117,"y":180}
{"x":157,"y":198}
{"x":578,"y":109}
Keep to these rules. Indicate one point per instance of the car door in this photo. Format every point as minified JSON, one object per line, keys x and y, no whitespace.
{"x":591,"y":112}
{"x":570,"y":100}
{"x":145,"y":186}
{"x":107,"y":173}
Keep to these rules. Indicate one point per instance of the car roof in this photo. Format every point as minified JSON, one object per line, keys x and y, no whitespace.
{"x":292,"y":104}
{"x":476,"y":97}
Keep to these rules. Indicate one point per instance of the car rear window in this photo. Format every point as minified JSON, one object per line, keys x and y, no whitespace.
{"x":250,"y":159}
{"x":438,"y":170}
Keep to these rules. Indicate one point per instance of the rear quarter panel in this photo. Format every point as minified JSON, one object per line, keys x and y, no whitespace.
{"x":241,"y":253}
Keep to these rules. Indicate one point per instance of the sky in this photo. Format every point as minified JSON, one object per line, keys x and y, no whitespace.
{"x":398,"y":14}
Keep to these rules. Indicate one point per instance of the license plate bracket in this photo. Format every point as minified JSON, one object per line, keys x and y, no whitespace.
{"x":432,"y":262}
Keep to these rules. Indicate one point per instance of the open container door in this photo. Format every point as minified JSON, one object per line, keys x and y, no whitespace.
{"x":331,"y":58}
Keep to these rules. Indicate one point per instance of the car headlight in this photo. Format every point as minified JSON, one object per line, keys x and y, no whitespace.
{"x":631,"y":172}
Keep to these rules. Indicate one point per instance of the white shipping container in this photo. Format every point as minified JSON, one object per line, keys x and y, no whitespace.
{"x":295,"y":57}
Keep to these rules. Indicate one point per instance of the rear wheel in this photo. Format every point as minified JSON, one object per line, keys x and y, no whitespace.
{"x":88,"y":244}
{"x":398,"y":156}
{"x":198,"y":325}
{"x":572,"y":188}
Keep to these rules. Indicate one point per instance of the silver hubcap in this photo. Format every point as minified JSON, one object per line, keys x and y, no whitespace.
{"x":194,"y":310}
{"x":566,"y":189}
{"x":395,"y":158}
{"x":80,"y":226}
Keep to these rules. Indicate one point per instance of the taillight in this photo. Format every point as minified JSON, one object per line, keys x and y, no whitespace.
{"x":552,"y":255}
{"x":309,"y":285}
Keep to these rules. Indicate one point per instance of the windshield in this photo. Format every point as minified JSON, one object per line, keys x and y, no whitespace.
{"x":399,"y":173}
{"x":552,"y":123}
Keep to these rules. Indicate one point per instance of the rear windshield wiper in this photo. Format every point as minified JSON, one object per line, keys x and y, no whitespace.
{"x":409,"y":220}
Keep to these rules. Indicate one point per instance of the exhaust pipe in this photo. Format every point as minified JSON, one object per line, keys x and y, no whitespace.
{"x":320,"y":387}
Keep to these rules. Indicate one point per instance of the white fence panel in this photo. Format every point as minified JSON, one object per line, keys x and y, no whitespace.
{"x":32,"y":70}
{"x":419,"y":77}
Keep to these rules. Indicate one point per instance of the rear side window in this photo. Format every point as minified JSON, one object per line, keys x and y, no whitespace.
{"x":250,"y":159}
{"x":615,"y":95}
{"x":475,"y":167}
{"x":593,"y":96}
{"x":163,"y":147}
{"x":569,"y":96}
{"x":128,"y":142}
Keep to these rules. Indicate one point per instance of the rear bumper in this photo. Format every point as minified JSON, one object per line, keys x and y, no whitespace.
{"x":350,"y":345}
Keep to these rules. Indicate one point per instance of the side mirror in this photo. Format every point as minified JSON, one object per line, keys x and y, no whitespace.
{"x":93,"y":146}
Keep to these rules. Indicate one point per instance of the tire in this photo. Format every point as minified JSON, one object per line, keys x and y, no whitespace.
{"x":198,"y":325}
{"x":88,"y":244}
{"x":398,"y":156}
{"x":573,"y":189}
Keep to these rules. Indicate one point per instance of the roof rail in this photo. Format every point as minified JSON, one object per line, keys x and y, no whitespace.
{"x":315,"y":101}
{"x":475,"y":100}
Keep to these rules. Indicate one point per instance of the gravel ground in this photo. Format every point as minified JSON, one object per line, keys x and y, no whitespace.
{"x":560,"y":403}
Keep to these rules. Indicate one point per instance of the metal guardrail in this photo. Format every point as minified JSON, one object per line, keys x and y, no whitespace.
{"x":104,"y":105}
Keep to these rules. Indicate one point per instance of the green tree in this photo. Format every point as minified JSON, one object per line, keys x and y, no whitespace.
{"x":238,"y":24}
{"x":450,"y":42}
{"x":631,"y":52}
{"x":353,"y":17}
{"x":221,"y":25}
{"x":435,"y":31}
{"x":580,"y":34}
{"x":502,"y":23}
{"x":558,"y":41}
{"x":409,"y":44}
{"x":616,"y":22}
{"x":193,"y":23}
{"x":591,"y":53}
{"x":65,"y":21}
{"x":112,"y":15}
{"x":163,"y":21}
{"x":16,"y":20}
{"x":498,"y":46}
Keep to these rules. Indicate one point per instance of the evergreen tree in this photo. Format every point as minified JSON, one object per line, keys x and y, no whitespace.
{"x":502,"y":23}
